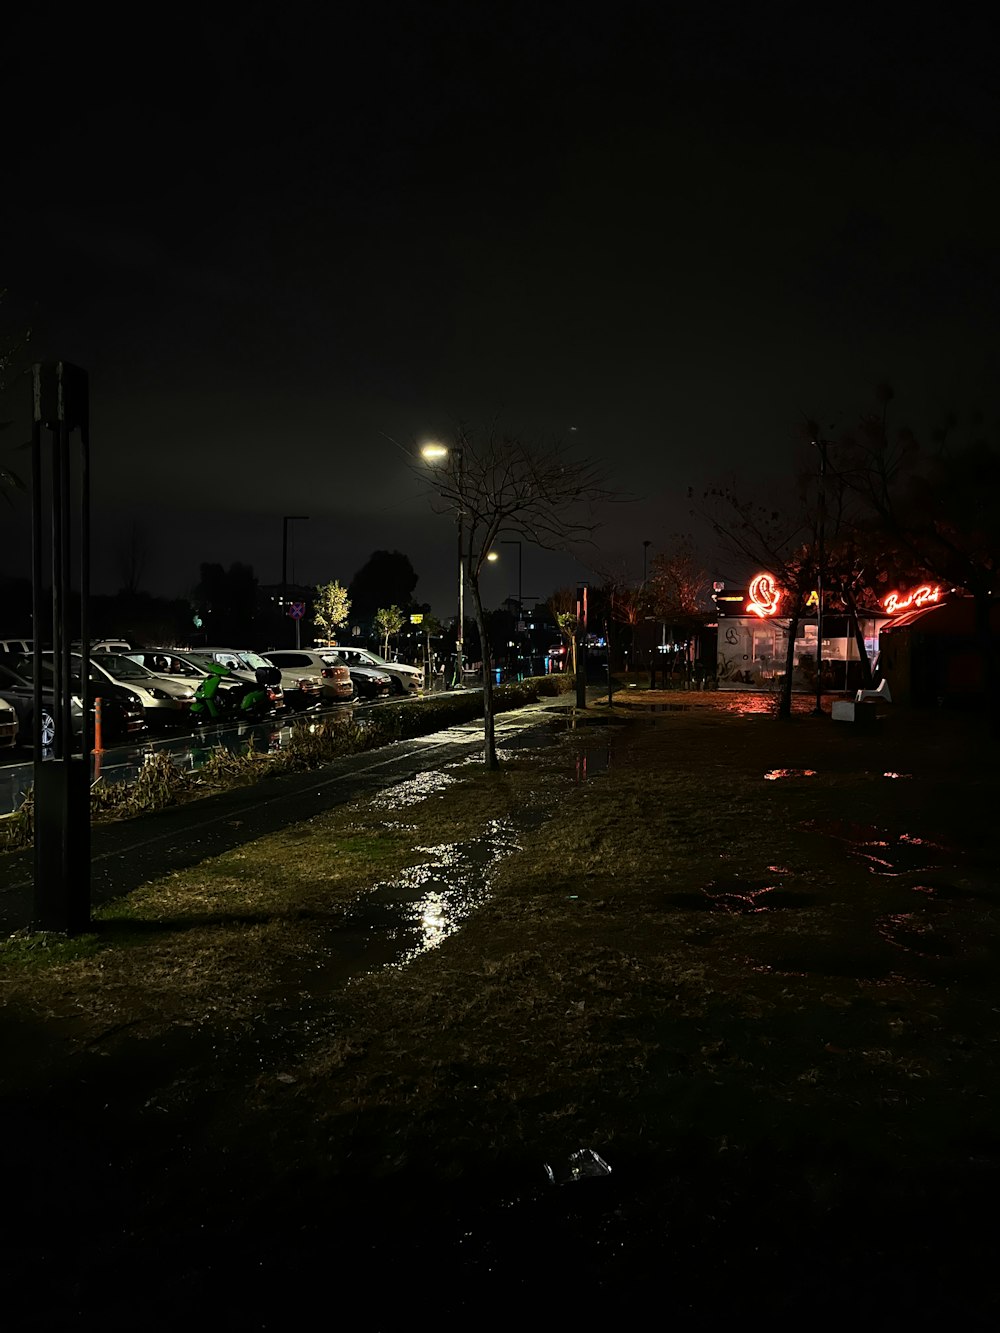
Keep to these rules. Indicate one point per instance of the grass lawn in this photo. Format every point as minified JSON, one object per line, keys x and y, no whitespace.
{"x":750,"y":964}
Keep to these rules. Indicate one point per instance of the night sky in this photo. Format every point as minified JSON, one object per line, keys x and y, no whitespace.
{"x":290,"y":243}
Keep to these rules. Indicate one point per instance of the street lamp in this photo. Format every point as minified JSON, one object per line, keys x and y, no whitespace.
{"x":434,"y":453}
{"x":820,"y":562}
{"x":513,"y":542}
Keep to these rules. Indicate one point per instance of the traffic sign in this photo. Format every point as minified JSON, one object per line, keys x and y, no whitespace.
{"x":297,"y":610}
{"x":417,"y":618}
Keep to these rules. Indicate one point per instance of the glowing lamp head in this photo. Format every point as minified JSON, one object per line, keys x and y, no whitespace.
{"x":492,"y":557}
{"x":433,"y":453}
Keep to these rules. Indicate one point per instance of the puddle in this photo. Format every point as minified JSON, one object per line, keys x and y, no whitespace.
{"x":915,"y":933}
{"x":885,"y":853}
{"x":655,"y":708}
{"x":591,"y":762}
{"x":777,"y":773}
{"x":413,"y":790}
{"x":739,"y":898}
{"x":428,"y":902}
{"x":572,"y":719}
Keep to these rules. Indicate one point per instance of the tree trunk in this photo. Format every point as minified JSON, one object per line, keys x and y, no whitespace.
{"x":785,"y":701}
{"x":489,"y":744}
{"x":859,"y":639}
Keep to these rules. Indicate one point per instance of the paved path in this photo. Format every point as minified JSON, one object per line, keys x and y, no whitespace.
{"x":128,"y":853}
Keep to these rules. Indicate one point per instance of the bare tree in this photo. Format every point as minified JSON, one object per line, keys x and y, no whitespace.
{"x":499,"y":483}
{"x":782,"y":540}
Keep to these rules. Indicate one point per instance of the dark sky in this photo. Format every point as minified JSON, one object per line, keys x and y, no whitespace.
{"x":289,"y":243}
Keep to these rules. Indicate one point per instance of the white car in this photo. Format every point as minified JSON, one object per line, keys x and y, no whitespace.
{"x":405,"y":679}
{"x":312,"y":673}
{"x":164,"y":699}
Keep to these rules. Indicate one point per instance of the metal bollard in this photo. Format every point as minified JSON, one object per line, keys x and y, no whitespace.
{"x":98,"y":739}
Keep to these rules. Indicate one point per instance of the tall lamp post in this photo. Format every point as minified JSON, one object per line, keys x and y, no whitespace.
{"x":288,"y":518}
{"x":820,"y":562}
{"x":434,"y":453}
{"x":520,"y":610}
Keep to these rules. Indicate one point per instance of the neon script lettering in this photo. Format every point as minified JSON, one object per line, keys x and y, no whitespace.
{"x":916,"y":597}
{"x":764,"y":596}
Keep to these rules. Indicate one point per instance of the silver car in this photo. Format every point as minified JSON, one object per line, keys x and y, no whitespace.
{"x":165,"y":700}
{"x":405,"y":679}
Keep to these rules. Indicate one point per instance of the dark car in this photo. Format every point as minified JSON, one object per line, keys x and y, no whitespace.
{"x":368,"y":682}
{"x":122,"y":715}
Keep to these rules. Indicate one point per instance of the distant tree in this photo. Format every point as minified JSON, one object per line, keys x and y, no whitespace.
{"x":562,"y":605}
{"x":778,"y":538}
{"x":678,"y":585}
{"x":939,"y":507}
{"x":226,"y":600}
{"x":331,"y":608}
{"x":497,"y":482}
{"x":386,"y":579}
{"x":389,"y":620}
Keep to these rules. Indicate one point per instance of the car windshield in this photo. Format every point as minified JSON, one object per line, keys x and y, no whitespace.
{"x":122,"y":668}
{"x":252,"y":660}
{"x":201,"y":660}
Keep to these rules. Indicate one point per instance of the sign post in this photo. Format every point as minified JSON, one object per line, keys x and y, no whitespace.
{"x":297,"y":610}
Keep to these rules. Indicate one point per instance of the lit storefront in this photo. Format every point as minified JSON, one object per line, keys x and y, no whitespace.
{"x":753,"y":639}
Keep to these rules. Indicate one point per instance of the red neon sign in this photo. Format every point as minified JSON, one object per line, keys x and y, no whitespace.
{"x":764,"y":596}
{"x":896,"y":601}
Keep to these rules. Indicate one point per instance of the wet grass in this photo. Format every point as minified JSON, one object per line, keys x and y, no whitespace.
{"x":770,"y":1005}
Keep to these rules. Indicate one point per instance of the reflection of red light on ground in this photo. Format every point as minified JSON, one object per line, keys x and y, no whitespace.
{"x":776,"y":773}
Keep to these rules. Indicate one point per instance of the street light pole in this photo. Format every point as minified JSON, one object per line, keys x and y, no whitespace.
{"x":820,"y":561}
{"x":288,"y":518}
{"x":460,"y":636}
{"x":520,"y":610}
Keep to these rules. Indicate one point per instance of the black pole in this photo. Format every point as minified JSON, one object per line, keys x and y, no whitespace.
{"x":62,"y":780}
{"x":581,"y":646}
{"x":820,"y":561}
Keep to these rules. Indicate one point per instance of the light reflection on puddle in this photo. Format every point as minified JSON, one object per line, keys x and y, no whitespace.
{"x":776,"y":773}
{"x":426,"y":903}
{"x":414,"y":790}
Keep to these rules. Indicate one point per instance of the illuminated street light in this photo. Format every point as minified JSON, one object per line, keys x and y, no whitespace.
{"x":492,"y":557}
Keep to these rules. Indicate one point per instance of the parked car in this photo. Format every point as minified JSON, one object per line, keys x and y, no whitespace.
{"x":165,"y":700}
{"x":405,"y":679}
{"x":8,"y":725}
{"x":247,"y":666}
{"x":104,"y":646}
{"x":14,"y":648}
{"x":369,"y":682}
{"x":122,"y":714}
{"x":314,"y":673}
{"x":192,"y":664}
